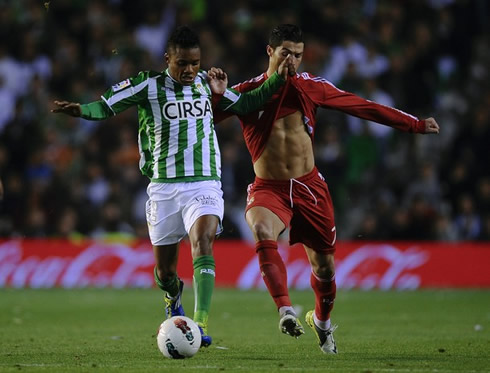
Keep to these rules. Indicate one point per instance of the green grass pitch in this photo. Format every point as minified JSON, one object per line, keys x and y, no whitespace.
{"x":109,"y":330}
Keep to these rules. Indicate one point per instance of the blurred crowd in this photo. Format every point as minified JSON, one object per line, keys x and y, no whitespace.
{"x":72,"y":178}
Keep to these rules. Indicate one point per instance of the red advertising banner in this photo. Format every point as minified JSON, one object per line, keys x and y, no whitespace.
{"x":391,"y":265}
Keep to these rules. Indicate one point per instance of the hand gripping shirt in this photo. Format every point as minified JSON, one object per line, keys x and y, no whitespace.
{"x":306,"y":93}
{"x":176,"y":137}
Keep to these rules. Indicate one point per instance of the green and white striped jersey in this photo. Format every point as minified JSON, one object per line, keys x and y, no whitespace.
{"x":176,"y":137}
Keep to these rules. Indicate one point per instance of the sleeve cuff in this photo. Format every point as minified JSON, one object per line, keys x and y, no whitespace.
{"x":215,"y":99}
{"x":419,"y":126}
{"x":84,"y":111}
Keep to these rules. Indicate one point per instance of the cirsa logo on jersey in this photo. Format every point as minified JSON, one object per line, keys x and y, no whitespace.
{"x":182,"y":110}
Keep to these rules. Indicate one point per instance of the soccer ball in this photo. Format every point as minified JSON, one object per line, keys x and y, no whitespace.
{"x":179,"y":337}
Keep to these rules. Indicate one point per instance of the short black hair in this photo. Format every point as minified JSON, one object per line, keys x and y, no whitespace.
{"x":183,"y":37}
{"x":285,"y":32}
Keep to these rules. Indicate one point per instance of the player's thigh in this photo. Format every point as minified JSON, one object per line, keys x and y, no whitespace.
{"x":268,"y":212}
{"x":313,"y":222}
{"x":264,"y":223}
{"x":164,"y":214}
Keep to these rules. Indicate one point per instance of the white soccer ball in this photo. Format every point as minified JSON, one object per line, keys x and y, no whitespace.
{"x":179,"y":337}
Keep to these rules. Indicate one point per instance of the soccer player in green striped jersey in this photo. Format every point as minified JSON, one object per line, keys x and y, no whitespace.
{"x":180,"y":155}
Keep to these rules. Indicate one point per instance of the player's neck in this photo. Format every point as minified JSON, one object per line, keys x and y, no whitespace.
{"x":270,"y":71}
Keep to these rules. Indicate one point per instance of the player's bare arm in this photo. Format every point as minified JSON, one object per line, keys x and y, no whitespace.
{"x":70,"y":108}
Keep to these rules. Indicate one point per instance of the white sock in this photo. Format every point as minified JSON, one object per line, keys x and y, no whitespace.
{"x":324,"y":325}
{"x":283,"y":310}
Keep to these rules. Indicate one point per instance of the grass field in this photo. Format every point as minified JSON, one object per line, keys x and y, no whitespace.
{"x":107,"y":330}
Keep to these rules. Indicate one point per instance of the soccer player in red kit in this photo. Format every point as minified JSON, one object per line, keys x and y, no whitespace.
{"x":288,"y":190}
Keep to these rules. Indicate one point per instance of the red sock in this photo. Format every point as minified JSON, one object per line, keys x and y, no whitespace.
{"x":325,"y":291}
{"x":273,"y":272}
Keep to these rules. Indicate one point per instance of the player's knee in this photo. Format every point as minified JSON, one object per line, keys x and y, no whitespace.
{"x":324,"y":271}
{"x":262,"y":231}
{"x":202,"y":245}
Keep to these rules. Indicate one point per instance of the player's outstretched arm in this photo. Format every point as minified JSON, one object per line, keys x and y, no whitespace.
{"x":326,"y":95}
{"x":69,"y":108}
{"x":96,"y":110}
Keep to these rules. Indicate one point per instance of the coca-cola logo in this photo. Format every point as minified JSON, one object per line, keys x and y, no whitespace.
{"x":371,"y":266}
{"x":99,"y":264}
{"x":399,"y":265}
{"x":381,"y":266}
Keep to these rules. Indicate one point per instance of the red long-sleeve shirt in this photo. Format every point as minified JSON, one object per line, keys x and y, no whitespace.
{"x":306,"y":93}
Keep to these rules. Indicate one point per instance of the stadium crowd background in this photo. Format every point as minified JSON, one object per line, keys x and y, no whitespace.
{"x":67,"y":177}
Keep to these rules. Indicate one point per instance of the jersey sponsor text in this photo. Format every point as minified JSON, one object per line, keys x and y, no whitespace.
{"x":182,"y":110}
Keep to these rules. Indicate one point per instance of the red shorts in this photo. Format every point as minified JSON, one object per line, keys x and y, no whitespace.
{"x":303,"y":204}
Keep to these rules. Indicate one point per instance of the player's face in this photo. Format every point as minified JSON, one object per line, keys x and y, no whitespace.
{"x":280,"y":53}
{"x":183,"y":64}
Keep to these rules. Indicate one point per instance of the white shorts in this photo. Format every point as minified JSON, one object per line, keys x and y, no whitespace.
{"x":172,"y":208}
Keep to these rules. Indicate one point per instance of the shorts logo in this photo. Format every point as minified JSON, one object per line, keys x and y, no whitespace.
{"x":151,"y":212}
{"x":250,"y":200}
{"x":121,"y":85}
{"x":207,"y":200}
{"x":334,"y":235}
